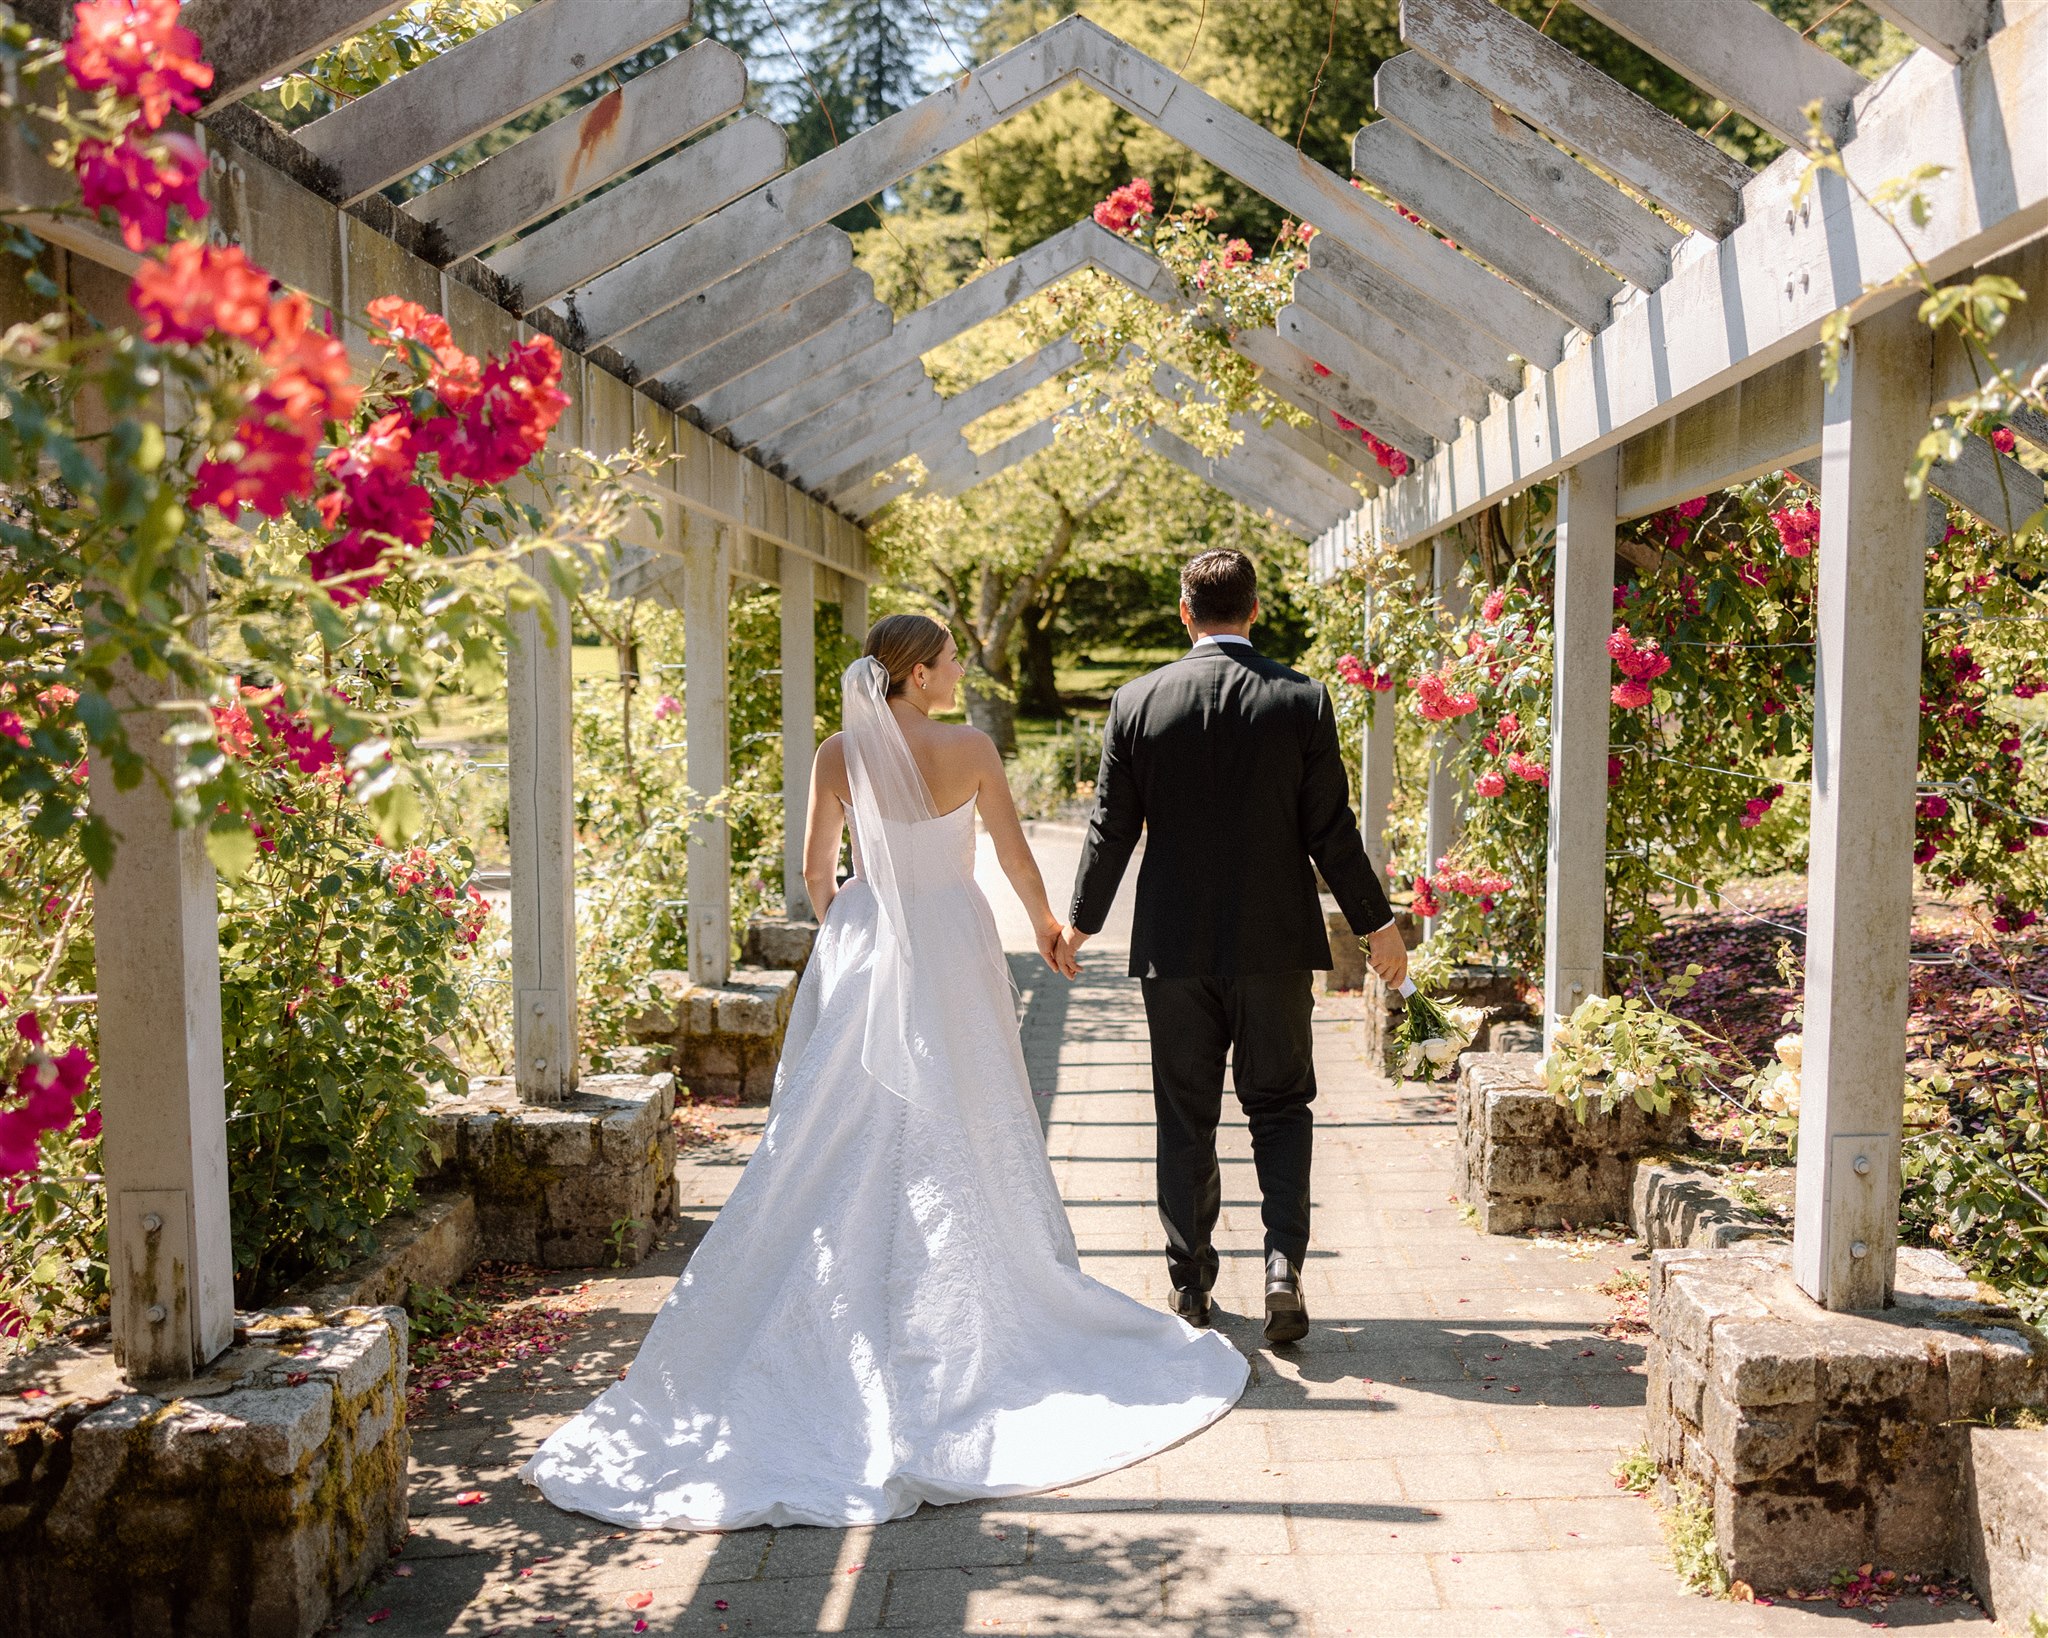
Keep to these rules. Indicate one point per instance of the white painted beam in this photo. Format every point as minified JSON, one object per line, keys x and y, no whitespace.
{"x":1286,"y":363}
{"x":684,"y":331}
{"x":664,"y":198}
{"x":251,"y":41}
{"x":799,"y":722}
{"x":1314,"y":456}
{"x":853,"y":452}
{"x":1575,"y":886}
{"x":1365,"y":372}
{"x":1736,"y":49}
{"x":1951,"y":29}
{"x":707,"y":706}
{"x":1231,"y":479}
{"x":1497,"y":148}
{"x":541,"y":821}
{"x":1572,"y":101}
{"x":1378,"y":764}
{"x":163,"y":1101}
{"x":816,"y":359}
{"x":853,"y":416}
{"x":1735,"y":309}
{"x":437,"y":106}
{"x":1867,"y":627}
{"x":583,"y":150}
{"x":746,"y":349}
{"x":1460,"y":392}
{"x":1992,"y":487}
{"x":1465,"y":209}
{"x":1010,"y":452}
{"x":1368,"y":286}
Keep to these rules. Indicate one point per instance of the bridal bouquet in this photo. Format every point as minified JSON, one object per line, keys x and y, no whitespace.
{"x":1423,"y":1039}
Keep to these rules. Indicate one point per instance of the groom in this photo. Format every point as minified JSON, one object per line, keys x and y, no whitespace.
{"x":1228,"y":762}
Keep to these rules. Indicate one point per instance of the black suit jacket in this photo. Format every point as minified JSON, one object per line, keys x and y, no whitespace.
{"x":1228,"y":762}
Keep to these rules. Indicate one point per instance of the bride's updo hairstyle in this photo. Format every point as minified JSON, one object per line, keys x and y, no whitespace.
{"x":903,"y":642}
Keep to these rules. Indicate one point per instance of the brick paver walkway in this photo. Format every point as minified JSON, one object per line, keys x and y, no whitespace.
{"x":1433,"y":1460}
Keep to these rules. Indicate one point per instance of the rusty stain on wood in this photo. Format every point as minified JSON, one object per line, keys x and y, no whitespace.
{"x":598,"y":126}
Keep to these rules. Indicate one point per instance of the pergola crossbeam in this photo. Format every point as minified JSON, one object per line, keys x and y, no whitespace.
{"x":435,"y":107}
{"x":583,"y":150}
{"x":978,"y":469}
{"x":1569,"y":99}
{"x":1748,"y":58}
{"x":1472,"y":351}
{"x":1223,"y":475}
{"x":1463,"y":393}
{"x":1497,"y":148}
{"x":689,"y":328}
{"x":1463,"y":207}
{"x":251,"y":41}
{"x":855,"y":413}
{"x":816,"y":359}
{"x":806,"y":316}
{"x":684,"y":188}
{"x":1276,"y":356}
{"x":1365,"y":373}
{"x":1303,"y":462}
{"x":1951,"y":29}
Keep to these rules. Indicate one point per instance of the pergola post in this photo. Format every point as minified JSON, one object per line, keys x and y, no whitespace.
{"x":707,"y":582}
{"x":799,"y":720}
{"x":541,"y":823}
{"x":1446,"y":799}
{"x":163,"y":1101}
{"x":1867,"y":632}
{"x":1376,"y":766}
{"x":853,"y":608}
{"x":1575,"y":888}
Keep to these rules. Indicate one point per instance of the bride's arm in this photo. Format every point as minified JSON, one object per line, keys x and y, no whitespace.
{"x":823,"y":826}
{"x":1013,"y":852}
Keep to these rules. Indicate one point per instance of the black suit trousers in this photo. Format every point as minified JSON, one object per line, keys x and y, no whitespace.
{"x":1261,"y":1021}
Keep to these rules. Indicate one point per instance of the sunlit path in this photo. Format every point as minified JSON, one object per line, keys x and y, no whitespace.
{"x":1434,"y":1460}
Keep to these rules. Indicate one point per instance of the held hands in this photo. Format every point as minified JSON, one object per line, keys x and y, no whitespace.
{"x":1060,"y":946}
{"x":1387,"y":955}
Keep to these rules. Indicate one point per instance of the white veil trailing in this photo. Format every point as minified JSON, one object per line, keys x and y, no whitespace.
{"x":889,"y":800}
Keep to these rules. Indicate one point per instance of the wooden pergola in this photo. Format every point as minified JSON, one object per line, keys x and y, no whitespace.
{"x":706,"y":301}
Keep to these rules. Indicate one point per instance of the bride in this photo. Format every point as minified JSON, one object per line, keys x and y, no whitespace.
{"x":889,"y":1310}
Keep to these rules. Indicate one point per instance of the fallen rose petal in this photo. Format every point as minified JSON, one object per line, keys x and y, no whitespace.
{"x":469,"y":1498}
{"x":720,"y":1604}
{"x":639,"y":1600}
{"x":375,"y":1616}
{"x":401,"y":1569}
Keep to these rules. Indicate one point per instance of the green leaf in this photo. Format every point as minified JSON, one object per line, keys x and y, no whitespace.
{"x":231,"y":845}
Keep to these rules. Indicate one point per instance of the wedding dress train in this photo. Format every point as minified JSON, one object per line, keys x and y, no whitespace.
{"x":889,"y":1310}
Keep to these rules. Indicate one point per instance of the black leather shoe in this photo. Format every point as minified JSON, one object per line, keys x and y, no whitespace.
{"x":1286,"y":1313}
{"x":1192,"y":1306}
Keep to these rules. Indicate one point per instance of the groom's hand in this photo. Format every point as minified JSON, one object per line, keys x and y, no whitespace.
{"x":1071,"y":941}
{"x":1387,"y":955}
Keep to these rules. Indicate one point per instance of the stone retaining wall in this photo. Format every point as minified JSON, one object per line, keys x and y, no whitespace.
{"x":434,"y":1245}
{"x":247,"y":1502}
{"x":726,"y":1040}
{"x":2007,"y":1524}
{"x":1828,"y":1440}
{"x":569,"y":1185}
{"x":1676,"y":1206}
{"x":1526,"y":1161}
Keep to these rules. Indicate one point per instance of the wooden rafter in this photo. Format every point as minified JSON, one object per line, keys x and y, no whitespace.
{"x":770,"y":286}
{"x":249,"y":42}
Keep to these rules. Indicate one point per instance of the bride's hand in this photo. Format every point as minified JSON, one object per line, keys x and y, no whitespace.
{"x":1048,"y":937}
{"x":1071,"y":940}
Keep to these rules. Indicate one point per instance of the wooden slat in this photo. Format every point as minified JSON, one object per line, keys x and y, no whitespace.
{"x":1467,"y":129}
{"x":1466,"y":210}
{"x":854,"y":455}
{"x":821,"y":355}
{"x":1471,"y":350}
{"x":1278,"y":376}
{"x":1951,"y":29}
{"x":707,"y":318}
{"x":1571,"y":100}
{"x":1765,"y":293}
{"x":884,"y":154}
{"x":803,"y":318}
{"x":251,"y":41}
{"x":1347,"y":368}
{"x":552,"y":260}
{"x":583,"y":150}
{"x":1010,"y":452}
{"x":1989,"y":486}
{"x":961,"y":411}
{"x":451,"y":99}
{"x":1443,"y":381}
{"x":1233,"y":482}
{"x":857,"y":409}
{"x":1736,"y":49}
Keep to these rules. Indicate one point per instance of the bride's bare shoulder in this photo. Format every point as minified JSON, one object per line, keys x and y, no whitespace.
{"x":830,"y":767}
{"x":966,"y":743}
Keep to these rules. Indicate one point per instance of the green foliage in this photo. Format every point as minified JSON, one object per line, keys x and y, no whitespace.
{"x":432,"y":1312}
{"x":1619,"y":1049}
{"x":358,"y":65}
{"x":1049,"y":777}
{"x":1689,"y":1533}
{"x":341,"y":962}
{"x":1636,"y":1472}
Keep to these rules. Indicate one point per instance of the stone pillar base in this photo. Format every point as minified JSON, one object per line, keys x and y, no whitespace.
{"x":249,"y":1500}
{"x":1526,"y":1161}
{"x":1826,"y":1441}
{"x":2007,"y":1527}
{"x":728,"y":1040}
{"x":780,"y":943}
{"x":577,"y":1184}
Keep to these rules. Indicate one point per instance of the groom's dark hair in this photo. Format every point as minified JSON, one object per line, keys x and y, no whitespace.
{"x":1220,"y":588}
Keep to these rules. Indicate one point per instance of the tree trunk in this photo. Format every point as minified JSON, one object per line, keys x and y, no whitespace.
{"x":993,"y":713}
{"x":1038,"y":691}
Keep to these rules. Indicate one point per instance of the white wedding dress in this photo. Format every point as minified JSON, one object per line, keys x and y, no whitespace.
{"x":889,"y":1310}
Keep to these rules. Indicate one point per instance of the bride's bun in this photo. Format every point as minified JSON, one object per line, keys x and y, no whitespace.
{"x":903,"y":642}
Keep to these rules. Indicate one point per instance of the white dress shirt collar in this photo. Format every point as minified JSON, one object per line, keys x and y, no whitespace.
{"x":1220,"y":637}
